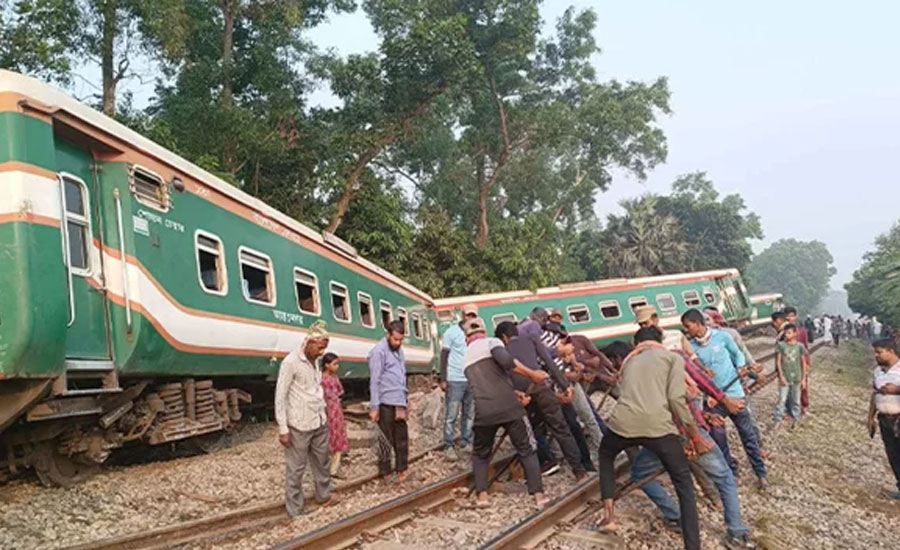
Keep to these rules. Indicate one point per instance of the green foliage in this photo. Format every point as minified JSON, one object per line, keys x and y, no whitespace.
{"x":37,"y":37}
{"x":716,"y":231}
{"x":875,"y":287}
{"x":643,"y":241}
{"x":799,"y":270}
{"x":465,"y":153}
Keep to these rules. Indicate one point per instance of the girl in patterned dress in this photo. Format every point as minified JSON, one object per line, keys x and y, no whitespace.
{"x":337,"y":427}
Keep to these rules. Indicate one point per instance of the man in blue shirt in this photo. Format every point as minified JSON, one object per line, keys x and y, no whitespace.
{"x":453,"y":382}
{"x":719,"y":353}
{"x":388,"y":398}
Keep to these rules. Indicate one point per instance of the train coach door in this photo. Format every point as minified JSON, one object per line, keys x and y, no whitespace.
{"x":87,"y":334}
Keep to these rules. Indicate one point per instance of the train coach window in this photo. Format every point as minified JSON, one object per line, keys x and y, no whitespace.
{"x":417,"y":325}
{"x":445,"y":315}
{"x":709,"y":295}
{"x":636,"y":301}
{"x":340,"y":303}
{"x":403,"y":318}
{"x":149,"y":188}
{"x":210,"y":263}
{"x":366,"y":313}
{"x":306,"y":287}
{"x":691,"y":298}
{"x":610,"y":309}
{"x":386,"y":315}
{"x":501,"y":317}
{"x":77,"y":224}
{"x":578,"y":314}
{"x":256,"y":277}
{"x":666,"y":302}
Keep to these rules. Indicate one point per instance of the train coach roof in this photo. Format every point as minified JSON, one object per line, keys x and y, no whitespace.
{"x":56,"y":100}
{"x":588,"y":286}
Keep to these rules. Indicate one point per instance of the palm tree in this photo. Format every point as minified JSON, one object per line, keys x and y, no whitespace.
{"x":643,"y":242}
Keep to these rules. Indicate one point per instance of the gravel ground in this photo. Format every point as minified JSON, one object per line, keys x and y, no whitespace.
{"x":124,"y":500}
{"x":828,"y":479}
{"x":827,"y":476}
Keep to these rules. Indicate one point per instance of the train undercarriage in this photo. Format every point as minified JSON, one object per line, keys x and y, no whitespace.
{"x":66,"y":435}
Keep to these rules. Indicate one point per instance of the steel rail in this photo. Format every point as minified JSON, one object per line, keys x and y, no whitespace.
{"x":219,"y":525}
{"x":353,"y":529}
{"x":561,"y":514}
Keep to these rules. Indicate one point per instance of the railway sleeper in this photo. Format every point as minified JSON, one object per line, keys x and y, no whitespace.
{"x":65,"y":439}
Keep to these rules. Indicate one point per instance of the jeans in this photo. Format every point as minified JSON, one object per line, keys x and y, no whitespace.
{"x":743,"y":422}
{"x":789,"y":396}
{"x":586,"y":416}
{"x":714,"y":465}
{"x":670,"y":453}
{"x":458,"y":397}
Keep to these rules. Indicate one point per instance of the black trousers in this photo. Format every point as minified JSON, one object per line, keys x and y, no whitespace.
{"x":577,"y":432}
{"x":519,"y":432}
{"x":545,"y":408}
{"x":397,"y":434}
{"x":670,"y":452}
{"x":889,"y":428}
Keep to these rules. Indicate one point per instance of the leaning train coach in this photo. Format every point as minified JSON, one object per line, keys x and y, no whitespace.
{"x":604,"y":310}
{"x":144,"y":299}
{"x":764,"y":305}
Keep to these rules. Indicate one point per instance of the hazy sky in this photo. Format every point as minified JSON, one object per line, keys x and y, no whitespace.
{"x":795,"y":105}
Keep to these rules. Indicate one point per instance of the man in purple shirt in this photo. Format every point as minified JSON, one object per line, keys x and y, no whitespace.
{"x":388,"y":398}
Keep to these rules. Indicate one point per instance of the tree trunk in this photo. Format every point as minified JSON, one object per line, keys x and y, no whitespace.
{"x":228,"y":9}
{"x":351,"y":187}
{"x":228,"y":15}
{"x":482,"y":234}
{"x":107,"y":53}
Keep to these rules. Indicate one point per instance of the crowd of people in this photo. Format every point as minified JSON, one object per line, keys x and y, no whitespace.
{"x":675,"y":393}
{"x":837,"y":327}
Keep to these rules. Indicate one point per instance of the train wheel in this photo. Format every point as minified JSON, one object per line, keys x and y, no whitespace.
{"x":55,"y":469}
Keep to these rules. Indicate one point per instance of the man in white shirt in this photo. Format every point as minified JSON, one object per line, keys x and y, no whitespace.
{"x":884,"y":408}
{"x":302,"y":424}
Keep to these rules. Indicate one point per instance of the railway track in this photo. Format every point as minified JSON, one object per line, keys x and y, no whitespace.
{"x":220,"y":525}
{"x":562,"y":517}
{"x":559,"y":518}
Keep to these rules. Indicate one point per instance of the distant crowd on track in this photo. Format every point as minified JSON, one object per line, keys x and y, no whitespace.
{"x":675,"y":393}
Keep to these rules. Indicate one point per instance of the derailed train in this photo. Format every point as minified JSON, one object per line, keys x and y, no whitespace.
{"x":143,"y":299}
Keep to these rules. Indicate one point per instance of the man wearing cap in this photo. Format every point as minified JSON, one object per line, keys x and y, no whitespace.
{"x":672,"y":339}
{"x":487,"y":367}
{"x":453,"y":383}
{"x":302,"y":424}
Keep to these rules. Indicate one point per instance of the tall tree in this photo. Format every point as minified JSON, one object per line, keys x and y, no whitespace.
{"x":717,"y":230}
{"x":800,"y":270}
{"x":875,"y":287}
{"x":423,"y":52}
{"x":643,"y":241}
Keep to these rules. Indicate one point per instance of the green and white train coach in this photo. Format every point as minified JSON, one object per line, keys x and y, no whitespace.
{"x":764,"y":305}
{"x":144,"y":299}
{"x":604,"y":310}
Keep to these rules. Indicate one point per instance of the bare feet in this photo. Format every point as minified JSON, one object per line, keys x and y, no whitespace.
{"x":482,"y":501}
{"x":401,"y":477}
{"x":541,"y":500}
{"x":606,"y":525}
{"x":332,"y":500}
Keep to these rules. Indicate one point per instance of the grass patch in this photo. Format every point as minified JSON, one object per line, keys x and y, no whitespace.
{"x":853,"y":364}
